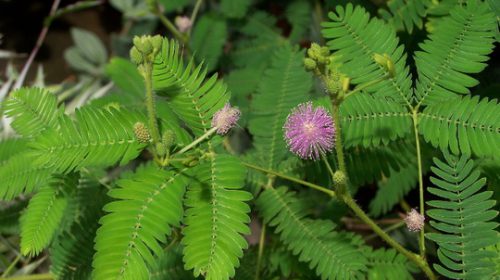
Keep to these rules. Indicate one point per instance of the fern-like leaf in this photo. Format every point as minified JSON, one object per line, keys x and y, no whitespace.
{"x":368,"y":121}
{"x":169,"y":266}
{"x":405,"y":14}
{"x":355,"y":38}
{"x":465,"y":125}
{"x":44,"y":214}
{"x":216,"y":217}
{"x":284,"y":85}
{"x":315,"y":241}
{"x":148,"y":204}
{"x":20,"y":175}
{"x":388,"y":265}
{"x":33,"y":110}
{"x":191,"y":97}
{"x":463,"y":218}
{"x":97,"y":138}
{"x":459,"y":46}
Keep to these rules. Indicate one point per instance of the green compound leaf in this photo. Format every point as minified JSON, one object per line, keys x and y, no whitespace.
{"x":216,"y":218}
{"x":44,"y":214}
{"x":467,"y":125}
{"x":208,"y":40}
{"x":463,"y":218}
{"x":355,"y":38}
{"x":315,"y":241}
{"x":97,"y":138}
{"x":147,"y":205}
{"x":369,"y":121}
{"x":190,"y":95}
{"x":284,"y":85}
{"x":33,"y":110}
{"x":459,"y":46}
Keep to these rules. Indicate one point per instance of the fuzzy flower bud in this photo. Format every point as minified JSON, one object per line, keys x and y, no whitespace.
{"x":309,"y":64}
{"x":414,"y":221}
{"x":339,"y":178}
{"x":225,"y":119}
{"x":183,"y":23}
{"x":309,"y":132}
{"x":161,"y":150}
{"x":136,"y":56}
{"x":141,"y":133}
{"x":143,"y":44}
{"x":168,"y":138}
{"x":156,"y":41}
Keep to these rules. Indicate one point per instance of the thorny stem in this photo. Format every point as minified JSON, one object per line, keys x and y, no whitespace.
{"x":292,"y":179}
{"x":338,"y":139}
{"x":421,"y":240}
{"x":262,"y":241}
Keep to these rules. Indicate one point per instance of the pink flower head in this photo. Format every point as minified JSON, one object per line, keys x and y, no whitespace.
{"x":183,"y":23}
{"x":309,"y":132}
{"x":414,"y":221}
{"x":225,"y":118}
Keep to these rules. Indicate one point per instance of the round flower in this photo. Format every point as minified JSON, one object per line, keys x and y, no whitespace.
{"x":309,"y":132}
{"x":414,"y":221}
{"x":225,"y":119}
{"x":183,"y":23}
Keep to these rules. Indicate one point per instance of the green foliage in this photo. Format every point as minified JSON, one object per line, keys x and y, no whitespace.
{"x":284,"y":85}
{"x":82,"y":143}
{"x":9,"y":217}
{"x":355,"y":38}
{"x":125,"y":76}
{"x":315,"y":241}
{"x":209,"y":37}
{"x":388,"y":264}
{"x":72,"y":250}
{"x":463,"y":218}
{"x":44,"y":215}
{"x":459,"y":46}
{"x":405,"y":14}
{"x":20,"y":175}
{"x":146,"y":207}
{"x":391,"y":190}
{"x":369,"y":121}
{"x":191,"y":97}
{"x":235,"y":8}
{"x":88,"y":55}
{"x":169,"y":266}
{"x":34,"y":110}
{"x":298,"y":13}
{"x":465,"y":125}
{"x":216,"y":216}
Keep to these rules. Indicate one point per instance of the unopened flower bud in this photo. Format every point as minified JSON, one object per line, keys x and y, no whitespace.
{"x":168,"y":138}
{"x":141,"y":133}
{"x":339,"y":178}
{"x":156,"y":41}
{"x":414,"y":221}
{"x":136,"y":56}
{"x":143,"y":44}
{"x":309,"y":64}
{"x":386,"y":62}
{"x":161,"y":150}
{"x":332,"y":86}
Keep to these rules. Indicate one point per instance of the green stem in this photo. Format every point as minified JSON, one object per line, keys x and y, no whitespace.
{"x":150,"y":103}
{"x":328,"y":166}
{"x":364,"y":86}
{"x":338,"y":139}
{"x":421,"y":240}
{"x":387,"y":230}
{"x":262,"y":241}
{"x":292,"y":179}
{"x":11,"y":266}
{"x":170,"y":26}
{"x":197,"y":141}
{"x":193,"y":16}
{"x":380,"y":232}
{"x":44,"y":276}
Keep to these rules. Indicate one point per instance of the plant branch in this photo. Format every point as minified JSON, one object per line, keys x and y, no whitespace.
{"x":171,"y":27}
{"x":11,"y":266}
{"x":262,"y":241}
{"x":292,"y":179}
{"x":421,"y":239}
{"x":197,"y":141}
{"x":193,"y":16}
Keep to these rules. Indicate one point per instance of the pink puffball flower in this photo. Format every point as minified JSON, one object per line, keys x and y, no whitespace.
{"x":309,"y":132}
{"x":414,"y":221}
{"x":225,"y":119}
{"x":183,"y":23}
